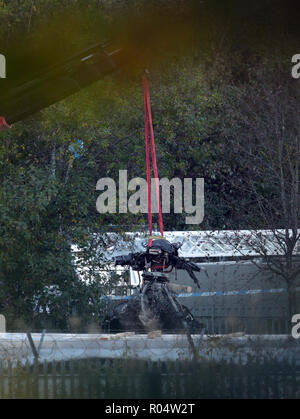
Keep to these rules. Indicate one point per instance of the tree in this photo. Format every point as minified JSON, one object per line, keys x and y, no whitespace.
{"x":47,"y":194}
{"x":261,"y":126}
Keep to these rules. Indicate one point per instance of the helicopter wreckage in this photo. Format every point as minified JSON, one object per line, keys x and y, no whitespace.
{"x":154,"y":305}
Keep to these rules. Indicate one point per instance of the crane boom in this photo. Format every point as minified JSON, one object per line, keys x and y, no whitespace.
{"x":58,"y":82}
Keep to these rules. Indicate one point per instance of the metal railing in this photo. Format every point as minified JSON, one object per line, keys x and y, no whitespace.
{"x":137,"y":379}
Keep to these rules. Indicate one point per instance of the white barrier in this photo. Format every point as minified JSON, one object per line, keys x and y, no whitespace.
{"x":60,"y":346}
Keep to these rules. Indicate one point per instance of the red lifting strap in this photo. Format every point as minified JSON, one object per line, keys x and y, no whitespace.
{"x":3,"y":124}
{"x":148,"y":123}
